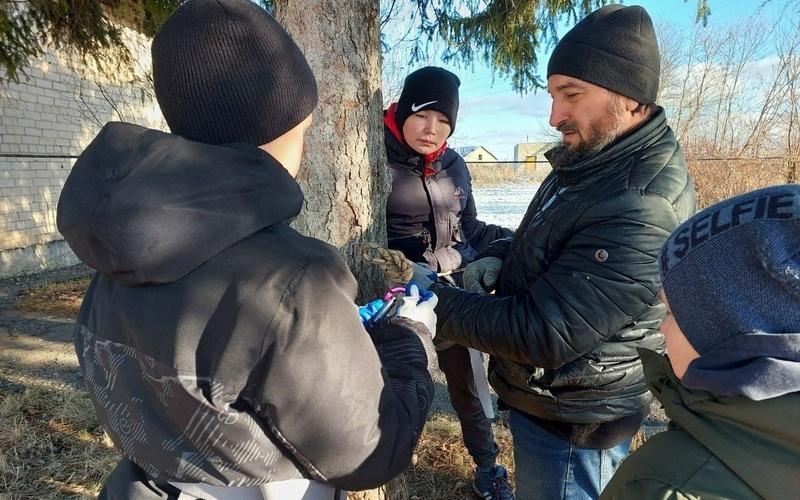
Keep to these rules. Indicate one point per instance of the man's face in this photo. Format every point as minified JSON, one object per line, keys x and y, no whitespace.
{"x":589,"y":117}
{"x":426,"y":130}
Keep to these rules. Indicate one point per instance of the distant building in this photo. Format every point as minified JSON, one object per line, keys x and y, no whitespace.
{"x":483,"y":166}
{"x":475,"y":153}
{"x":532,"y":153}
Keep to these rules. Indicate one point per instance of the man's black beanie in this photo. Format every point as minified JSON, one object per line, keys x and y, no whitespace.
{"x":429,"y":88}
{"x":225,"y":71}
{"x":614,"y":47}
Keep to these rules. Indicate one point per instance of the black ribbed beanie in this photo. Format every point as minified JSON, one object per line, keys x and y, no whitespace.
{"x":429,"y":88}
{"x":225,"y":71}
{"x":614,"y":47}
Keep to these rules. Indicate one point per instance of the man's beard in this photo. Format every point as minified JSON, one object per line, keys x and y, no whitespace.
{"x":603,"y":132}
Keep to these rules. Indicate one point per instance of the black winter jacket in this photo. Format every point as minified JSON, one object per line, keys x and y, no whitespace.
{"x":577,"y":292}
{"x":219,"y":345}
{"x":434,"y":220}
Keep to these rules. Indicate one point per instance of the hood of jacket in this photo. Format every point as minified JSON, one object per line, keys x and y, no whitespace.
{"x":757,"y":440}
{"x":148,"y":207}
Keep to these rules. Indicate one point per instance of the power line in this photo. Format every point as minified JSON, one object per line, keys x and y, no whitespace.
{"x":732,"y":158}
{"x":31,"y":155}
{"x":763,"y":158}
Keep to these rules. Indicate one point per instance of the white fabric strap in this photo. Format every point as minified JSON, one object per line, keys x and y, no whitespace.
{"x":294,"y":489}
{"x":481,"y":382}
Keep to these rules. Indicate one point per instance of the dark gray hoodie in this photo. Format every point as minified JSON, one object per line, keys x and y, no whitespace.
{"x":219,"y":345}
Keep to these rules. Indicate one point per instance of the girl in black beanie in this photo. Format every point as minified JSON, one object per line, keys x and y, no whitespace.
{"x":431,"y":217}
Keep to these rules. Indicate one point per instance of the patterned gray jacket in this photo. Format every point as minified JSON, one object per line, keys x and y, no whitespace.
{"x":219,"y":345}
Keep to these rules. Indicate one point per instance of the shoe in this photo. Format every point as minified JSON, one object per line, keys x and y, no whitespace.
{"x":493,"y":485}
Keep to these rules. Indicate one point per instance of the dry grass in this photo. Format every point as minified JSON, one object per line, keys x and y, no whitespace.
{"x":443,"y":470}
{"x":502,"y":174}
{"x":51,"y":445}
{"x":717,"y":180}
{"x":484,"y":175}
{"x":714,"y":180}
{"x":55,"y":299}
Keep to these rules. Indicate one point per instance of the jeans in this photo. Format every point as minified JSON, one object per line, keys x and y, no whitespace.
{"x":550,"y":468}
{"x":475,"y":427}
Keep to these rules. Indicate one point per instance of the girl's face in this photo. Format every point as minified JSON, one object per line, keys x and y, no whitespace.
{"x":426,"y":130}
{"x":679,"y":350}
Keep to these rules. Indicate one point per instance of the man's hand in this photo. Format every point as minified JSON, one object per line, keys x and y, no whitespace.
{"x":481,"y":275}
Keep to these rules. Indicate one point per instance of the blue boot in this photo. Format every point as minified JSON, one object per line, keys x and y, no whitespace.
{"x":493,"y":484}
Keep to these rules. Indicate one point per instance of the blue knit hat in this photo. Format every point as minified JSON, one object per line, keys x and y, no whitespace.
{"x":731,"y":275}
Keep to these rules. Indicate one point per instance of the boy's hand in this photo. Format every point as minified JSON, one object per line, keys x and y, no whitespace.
{"x":417,"y":308}
{"x":367,"y":311}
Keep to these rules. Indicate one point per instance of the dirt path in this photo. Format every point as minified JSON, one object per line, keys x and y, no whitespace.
{"x":51,"y":446}
{"x":40,"y":346}
{"x":36,"y":343}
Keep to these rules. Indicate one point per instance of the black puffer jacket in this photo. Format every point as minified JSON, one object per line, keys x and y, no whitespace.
{"x":219,"y":345}
{"x":577,"y":292}
{"x":433,"y":219}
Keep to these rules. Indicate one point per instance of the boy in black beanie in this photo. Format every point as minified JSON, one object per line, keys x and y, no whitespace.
{"x":222,"y":350}
{"x":431,"y":217}
{"x":575,"y":288}
{"x":731,"y":381}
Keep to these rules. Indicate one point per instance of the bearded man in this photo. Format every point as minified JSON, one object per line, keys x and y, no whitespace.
{"x":576,"y":287}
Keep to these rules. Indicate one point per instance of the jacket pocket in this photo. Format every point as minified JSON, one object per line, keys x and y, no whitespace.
{"x":455,"y":229}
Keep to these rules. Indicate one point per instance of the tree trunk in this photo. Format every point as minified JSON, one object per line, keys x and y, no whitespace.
{"x":344,"y":175}
{"x":791,"y":175}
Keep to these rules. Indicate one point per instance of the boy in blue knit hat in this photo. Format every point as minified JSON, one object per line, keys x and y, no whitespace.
{"x":731,"y":380}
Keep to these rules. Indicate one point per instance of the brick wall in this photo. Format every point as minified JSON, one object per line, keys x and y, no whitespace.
{"x":48,"y":117}
{"x":29,"y":189}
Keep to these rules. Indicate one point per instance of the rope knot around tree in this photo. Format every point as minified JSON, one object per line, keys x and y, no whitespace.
{"x":392,"y":262}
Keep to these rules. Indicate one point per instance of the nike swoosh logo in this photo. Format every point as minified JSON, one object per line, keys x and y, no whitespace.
{"x":415,"y":108}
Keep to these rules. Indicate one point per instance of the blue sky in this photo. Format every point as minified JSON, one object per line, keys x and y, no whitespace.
{"x":494,"y":116}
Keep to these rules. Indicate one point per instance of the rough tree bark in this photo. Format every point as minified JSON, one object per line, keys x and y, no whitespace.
{"x":344,"y":175}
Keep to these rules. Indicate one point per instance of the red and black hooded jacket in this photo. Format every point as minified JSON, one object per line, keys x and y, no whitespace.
{"x":430,"y":214}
